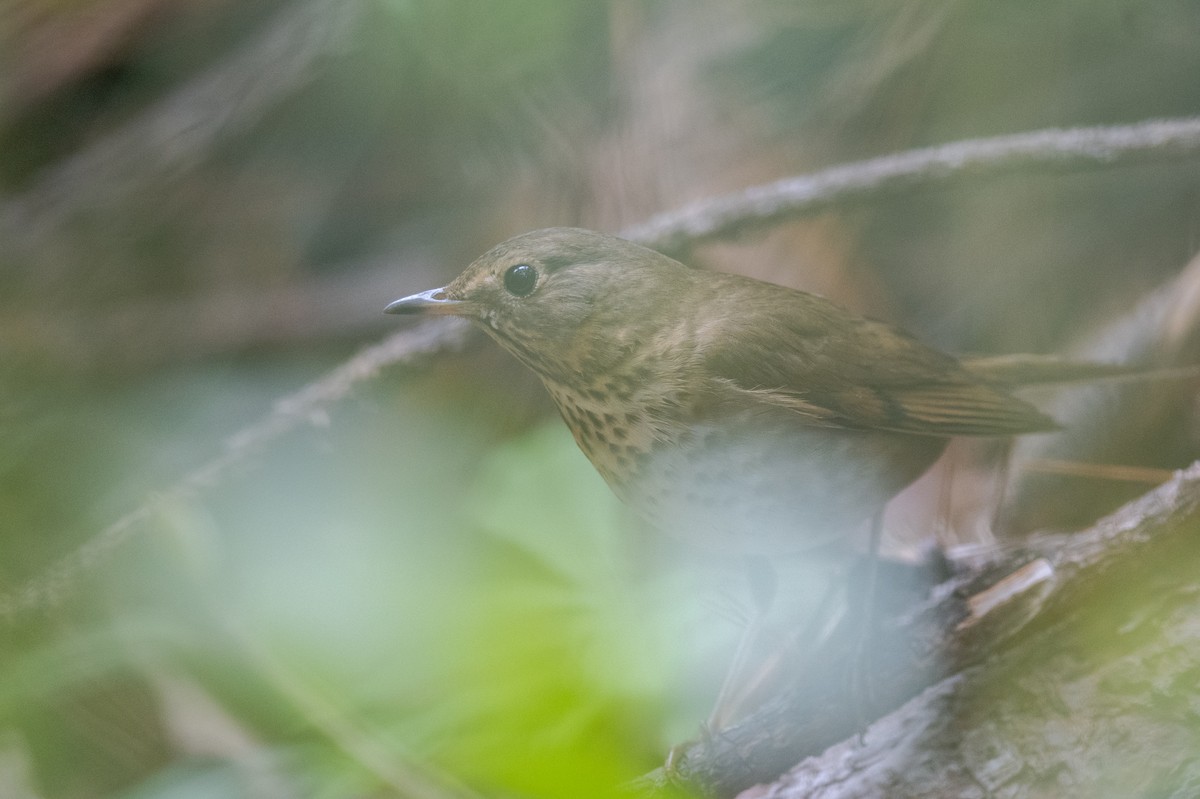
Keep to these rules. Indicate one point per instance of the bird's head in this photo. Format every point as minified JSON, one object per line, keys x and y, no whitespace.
{"x":536,"y":292}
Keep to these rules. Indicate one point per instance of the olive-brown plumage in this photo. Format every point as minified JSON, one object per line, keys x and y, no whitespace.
{"x":734,"y":413}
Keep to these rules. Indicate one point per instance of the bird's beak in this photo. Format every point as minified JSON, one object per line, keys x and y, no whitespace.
{"x":427,"y":303}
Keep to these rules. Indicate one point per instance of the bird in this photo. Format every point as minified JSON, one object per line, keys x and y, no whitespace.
{"x":733,"y":414}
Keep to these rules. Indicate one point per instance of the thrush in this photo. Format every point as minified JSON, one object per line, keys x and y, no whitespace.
{"x":735,"y":414}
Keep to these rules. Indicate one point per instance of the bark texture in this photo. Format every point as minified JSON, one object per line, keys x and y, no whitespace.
{"x":1069,"y":669}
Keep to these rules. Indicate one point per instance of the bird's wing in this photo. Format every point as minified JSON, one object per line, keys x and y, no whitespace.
{"x":833,"y":368}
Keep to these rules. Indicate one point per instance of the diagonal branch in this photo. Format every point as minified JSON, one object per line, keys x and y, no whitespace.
{"x":714,"y":218}
{"x":309,"y":405}
{"x":965,"y":638}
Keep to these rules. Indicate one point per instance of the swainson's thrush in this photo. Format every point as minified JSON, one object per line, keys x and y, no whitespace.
{"x":733,"y":413}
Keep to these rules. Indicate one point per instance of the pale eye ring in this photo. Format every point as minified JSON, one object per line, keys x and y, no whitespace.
{"x":520,"y":280}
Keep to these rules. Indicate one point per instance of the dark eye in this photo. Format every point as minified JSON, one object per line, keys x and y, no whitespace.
{"x":520,"y":280}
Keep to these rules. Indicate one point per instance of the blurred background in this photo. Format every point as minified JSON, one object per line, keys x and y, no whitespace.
{"x":204,"y":207}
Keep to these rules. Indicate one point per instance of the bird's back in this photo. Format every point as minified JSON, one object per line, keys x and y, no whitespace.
{"x":771,"y":420}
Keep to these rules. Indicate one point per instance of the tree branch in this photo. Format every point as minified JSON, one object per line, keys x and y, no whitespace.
{"x":1075,"y":148}
{"x":718,"y":217}
{"x":309,"y":405}
{"x":968,"y":641}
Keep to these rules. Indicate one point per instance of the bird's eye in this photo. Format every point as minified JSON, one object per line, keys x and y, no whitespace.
{"x":520,"y":280}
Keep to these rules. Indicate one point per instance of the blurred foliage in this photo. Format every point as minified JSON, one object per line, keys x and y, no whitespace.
{"x":556,"y":637}
{"x":205,"y":205}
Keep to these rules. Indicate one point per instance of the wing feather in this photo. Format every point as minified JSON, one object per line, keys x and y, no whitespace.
{"x":800,"y":352}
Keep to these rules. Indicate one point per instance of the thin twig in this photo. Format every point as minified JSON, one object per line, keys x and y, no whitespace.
{"x":308,"y":405}
{"x":1100,"y":471}
{"x":720,"y":216}
{"x":757,"y":206}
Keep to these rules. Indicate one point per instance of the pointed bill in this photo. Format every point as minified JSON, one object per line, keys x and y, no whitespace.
{"x":427,"y":303}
